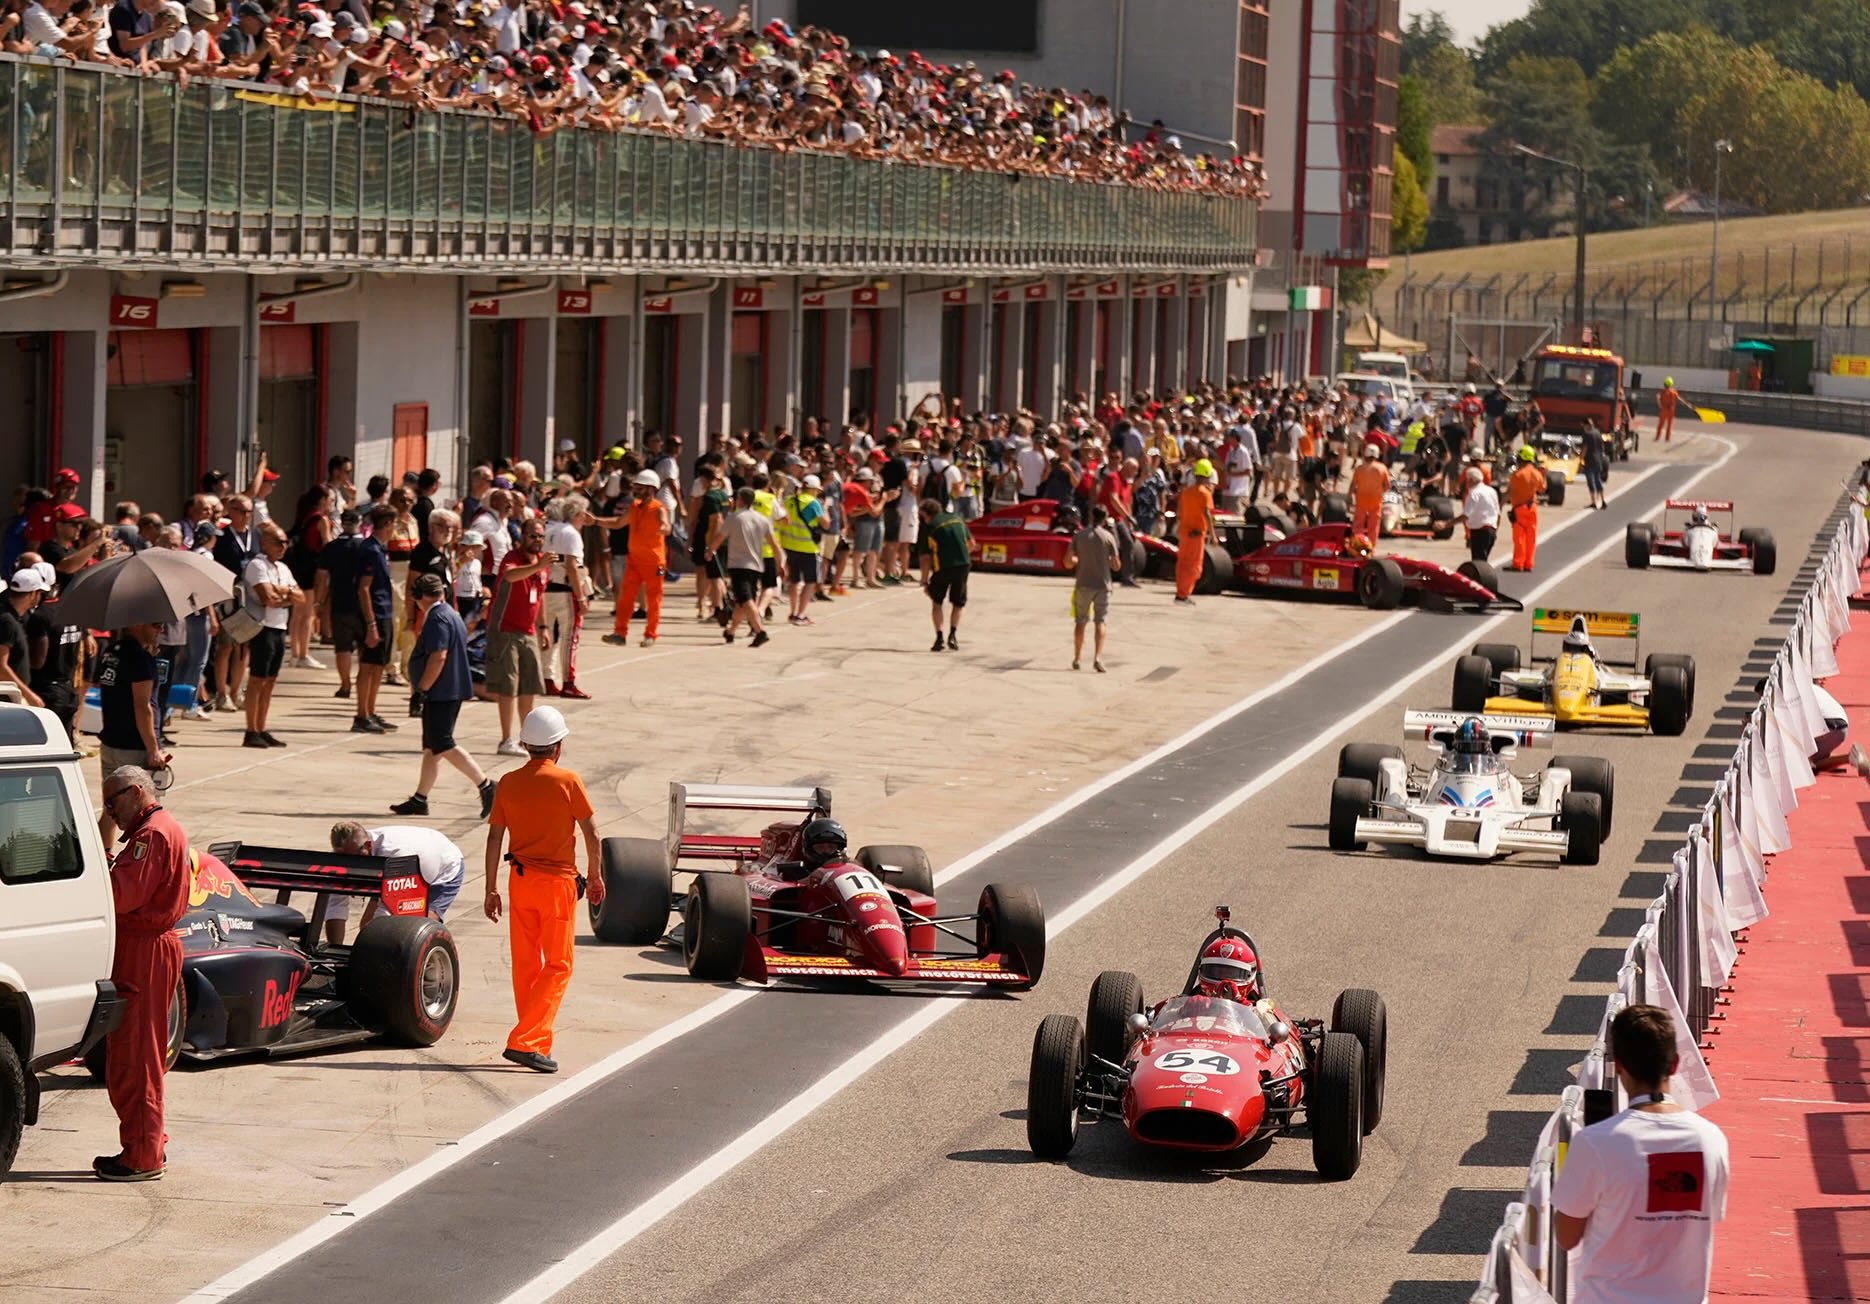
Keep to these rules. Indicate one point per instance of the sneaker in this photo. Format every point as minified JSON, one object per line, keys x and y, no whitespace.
{"x":531,"y":1059}
{"x":417,"y":804}
{"x":509,"y":747}
{"x":486,"y":798}
{"x":252,"y":739}
{"x":383,"y":724}
{"x":761,"y":639}
{"x":395,"y":680}
{"x":271,"y":741}
{"x":574,"y":693}
{"x":727,"y":636}
{"x":821,"y":597}
{"x":1076,"y":666}
{"x":648,"y":642}
{"x":938,"y":645}
{"x":617,"y":640}
{"x":364,"y":724}
{"x":891,"y":580}
{"x":344,"y":690}
{"x":111,"y":1168}
{"x":954,"y":644}
{"x":223,"y":703}
{"x":838,"y":590}
{"x":641,"y":613}
{"x":1185,"y":602}
{"x":805,"y":620}
{"x":551,"y":689}
{"x":196,"y":713}
{"x":311,"y":663}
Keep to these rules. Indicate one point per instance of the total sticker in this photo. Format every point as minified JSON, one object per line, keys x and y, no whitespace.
{"x":1198,"y":1061}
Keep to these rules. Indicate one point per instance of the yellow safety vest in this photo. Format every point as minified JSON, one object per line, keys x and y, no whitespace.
{"x":763,"y":504}
{"x":1412,"y":436}
{"x":794,"y":534}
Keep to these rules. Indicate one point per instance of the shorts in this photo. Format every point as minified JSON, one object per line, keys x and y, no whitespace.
{"x":513,"y":665}
{"x":892,"y":527}
{"x":114,"y":758}
{"x":438,"y":725}
{"x":380,"y":654}
{"x":347,"y":630}
{"x":949,"y":585}
{"x":867,"y":534}
{"x":1090,"y":604}
{"x":802,"y":567}
{"x":910,"y":529}
{"x":745,"y":585}
{"x":441,"y":896}
{"x":266,"y":653}
{"x":715,"y":567}
{"x":769,"y":572}
{"x":1282,"y":466}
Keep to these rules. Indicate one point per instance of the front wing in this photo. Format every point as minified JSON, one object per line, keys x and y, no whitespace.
{"x":1623,"y":715}
{"x":764,"y":964}
{"x":1463,"y":834}
{"x":1678,"y":561}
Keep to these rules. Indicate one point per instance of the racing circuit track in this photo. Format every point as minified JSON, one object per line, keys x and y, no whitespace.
{"x":794,"y":1143}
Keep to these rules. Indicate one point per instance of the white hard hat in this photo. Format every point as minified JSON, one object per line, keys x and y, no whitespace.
{"x":813,"y":482}
{"x":1470,"y":389}
{"x":1371,"y":450}
{"x":649,"y":479}
{"x":543,"y":727}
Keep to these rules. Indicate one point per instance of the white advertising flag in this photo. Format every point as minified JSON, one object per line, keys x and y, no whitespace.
{"x":1692,"y":1084}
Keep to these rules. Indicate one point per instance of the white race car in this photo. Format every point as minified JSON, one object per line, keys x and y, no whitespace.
{"x":1469,"y":805}
{"x":1698,"y":542}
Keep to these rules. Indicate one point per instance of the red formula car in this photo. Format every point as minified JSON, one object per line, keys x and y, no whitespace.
{"x":1322,"y":559}
{"x":786,"y":903}
{"x":1215,"y":1068}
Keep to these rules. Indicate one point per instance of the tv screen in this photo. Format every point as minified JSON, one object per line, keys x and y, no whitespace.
{"x":998,"y":26}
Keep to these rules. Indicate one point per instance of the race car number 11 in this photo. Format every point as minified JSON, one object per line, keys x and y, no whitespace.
{"x":1210,"y":1061}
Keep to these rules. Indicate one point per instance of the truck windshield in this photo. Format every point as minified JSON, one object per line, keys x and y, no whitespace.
{"x":1571,"y":378}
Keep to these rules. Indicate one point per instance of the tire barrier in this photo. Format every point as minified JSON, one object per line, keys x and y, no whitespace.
{"x":1683,"y":954}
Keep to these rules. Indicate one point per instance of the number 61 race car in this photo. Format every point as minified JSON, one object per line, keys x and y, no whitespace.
{"x":1470,"y":805}
{"x":1578,"y":685}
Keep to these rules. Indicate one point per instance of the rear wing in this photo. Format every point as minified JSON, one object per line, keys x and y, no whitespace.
{"x":1597,"y":624}
{"x":684,"y":797}
{"x":396,"y":881}
{"x":1687,"y":506}
{"x":1502,"y":730}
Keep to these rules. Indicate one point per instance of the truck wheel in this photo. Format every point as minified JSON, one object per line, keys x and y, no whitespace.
{"x":1581,"y":815}
{"x":717,"y":920}
{"x":1334,"y":509}
{"x":1115,"y":996}
{"x":1012,"y":922}
{"x":1380,"y":584}
{"x":1765,"y":552}
{"x":95,"y":1061}
{"x":407,"y":977}
{"x":1335,"y":1112}
{"x":1555,"y":488}
{"x":1350,"y":802}
{"x":1503,"y":657}
{"x":1473,"y":684}
{"x":1365,"y":760}
{"x":1482,"y":574}
{"x":1668,"y":701}
{"x":12,"y":1104}
{"x":1637,"y":539}
{"x":636,"y":892}
{"x":911,"y":868}
{"x":1052,"y":1086}
{"x":1596,"y":775}
{"x":1361,"y":1012}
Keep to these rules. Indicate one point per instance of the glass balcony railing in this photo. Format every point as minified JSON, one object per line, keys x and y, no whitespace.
{"x":101,"y":164}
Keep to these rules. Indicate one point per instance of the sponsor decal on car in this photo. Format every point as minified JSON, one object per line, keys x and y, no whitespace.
{"x":276,"y":1005}
{"x":1325,"y":578}
{"x":993,"y":552}
{"x":1198,"y":1061}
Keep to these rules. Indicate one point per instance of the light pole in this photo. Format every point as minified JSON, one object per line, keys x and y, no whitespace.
{"x":1714,"y":257}
{"x":1577,"y":278}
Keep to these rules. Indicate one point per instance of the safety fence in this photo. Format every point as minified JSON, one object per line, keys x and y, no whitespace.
{"x":1683,"y":954}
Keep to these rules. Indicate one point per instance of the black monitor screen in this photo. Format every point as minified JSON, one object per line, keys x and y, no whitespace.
{"x":1002,"y":26}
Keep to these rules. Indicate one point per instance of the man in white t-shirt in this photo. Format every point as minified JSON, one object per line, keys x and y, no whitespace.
{"x":271,"y":594}
{"x":566,"y":592}
{"x":1640,"y":1192}
{"x":439,"y":860}
{"x":1243,"y":458}
{"x":1482,"y":509}
{"x":669,"y":467}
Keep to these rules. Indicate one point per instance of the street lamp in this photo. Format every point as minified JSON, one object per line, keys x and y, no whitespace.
{"x":1714,"y":258}
{"x":1577,"y":280}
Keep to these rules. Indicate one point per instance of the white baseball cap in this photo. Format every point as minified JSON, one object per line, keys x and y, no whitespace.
{"x":813,"y":482}
{"x":29,"y":580}
{"x":567,"y":445}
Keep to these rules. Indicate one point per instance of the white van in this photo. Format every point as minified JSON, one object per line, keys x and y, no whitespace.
{"x":1393,"y":365}
{"x":1368,"y":384}
{"x":58,"y":927}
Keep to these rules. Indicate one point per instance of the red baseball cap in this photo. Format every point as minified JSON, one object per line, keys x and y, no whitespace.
{"x":269,"y":476}
{"x":69,"y":512}
{"x":65,"y":476}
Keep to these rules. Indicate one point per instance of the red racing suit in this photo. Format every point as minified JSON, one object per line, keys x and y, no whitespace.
{"x":149,"y":880}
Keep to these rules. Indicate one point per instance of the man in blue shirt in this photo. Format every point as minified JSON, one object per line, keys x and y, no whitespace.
{"x":440,"y":671}
{"x":373,"y":604}
{"x":337,"y":584}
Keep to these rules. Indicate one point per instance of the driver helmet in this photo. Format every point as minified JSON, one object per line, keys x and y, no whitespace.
{"x":1577,"y":639}
{"x":1471,"y":738}
{"x":1700,"y":516}
{"x":1358,"y":546}
{"x":1229,"y":969}
{"x":821,"y":842}
{"x":1065,"y":518}
{"x":1526,"y":453}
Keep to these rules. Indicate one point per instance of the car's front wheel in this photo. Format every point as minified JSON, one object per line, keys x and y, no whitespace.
{"x":1052,"y":1086}
{"x":1336,"y":1109}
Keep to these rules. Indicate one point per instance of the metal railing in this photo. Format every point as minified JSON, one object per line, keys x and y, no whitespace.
{"x":105,"y":166}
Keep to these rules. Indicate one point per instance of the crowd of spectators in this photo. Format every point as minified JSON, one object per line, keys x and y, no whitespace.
{"x":658,"y":65}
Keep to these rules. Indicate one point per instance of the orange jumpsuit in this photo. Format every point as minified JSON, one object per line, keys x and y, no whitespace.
{"x":1193,"y":519}
{"x":149,"y":880}
{"x":540,"y":805}
{"x":1666,"y":403}
{"x":642,"y":569}
{"x":1523,"y":488}
{"x":1369,"y":482}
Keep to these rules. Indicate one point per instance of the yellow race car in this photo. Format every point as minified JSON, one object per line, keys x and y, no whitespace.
{"x":1577,"y":686}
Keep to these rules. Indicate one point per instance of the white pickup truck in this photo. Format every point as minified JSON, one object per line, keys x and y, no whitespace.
{"x":57,"y":922}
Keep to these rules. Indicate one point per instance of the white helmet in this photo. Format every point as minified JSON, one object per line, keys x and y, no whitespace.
{"x":1371,"y":450}
{"x":1700,"y":516}
{"x":647,"y":479}
{"x":543,"y":727}
{"x":1471,"y":390}
{"x":1578,"y":637}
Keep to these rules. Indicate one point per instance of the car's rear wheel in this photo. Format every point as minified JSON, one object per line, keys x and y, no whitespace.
{"x":1581,"y":815}
{"x":1555,"y":488}
{"x":1217,"y":568}
{"x":1160,"y":566}
{"x":12,"y":1104}
{"x":1115,"y":996}
{"x":908,"y":867}
{"x":1473,"y":683}
{"x":1350,"y":802}
{"x":1686,"y":663}
{"x":1011,"y":922}
{"x":1443,"y":512}
{"x":96,"y":1059}
{"x":406,"y":977}
{"x":1139,"y":558}
{"x":717,"y":920}
{"x":1365,"y":760}
{"x":1637,"y":540}
{"x":1336,"y":1107}
{"x":1596,"y":775}
{"x":1334,"y":509}
{"x":636,"y":892}
{"x":1362,"y":1013}
{"x":1380,"y":584}
{"x":1764,"y":551}
{"x":1484,"y":575}
{"x":1052,"y":1086}
{"x":1668,"y":701}
{"x":1503,"y":657}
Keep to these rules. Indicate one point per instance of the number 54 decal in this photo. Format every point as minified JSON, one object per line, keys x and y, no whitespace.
{"x":1198,"y":1061}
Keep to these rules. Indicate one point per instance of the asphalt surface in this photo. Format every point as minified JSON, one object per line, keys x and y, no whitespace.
{"x":916,"y":1177}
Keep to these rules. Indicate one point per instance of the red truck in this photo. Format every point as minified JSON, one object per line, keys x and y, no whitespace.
{"x":1572,"y":384}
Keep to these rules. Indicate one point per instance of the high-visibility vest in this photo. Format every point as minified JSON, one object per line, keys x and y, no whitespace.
{"x":1412,"y":436}
{"x":794,"y":534}
{"x":763,"y":504}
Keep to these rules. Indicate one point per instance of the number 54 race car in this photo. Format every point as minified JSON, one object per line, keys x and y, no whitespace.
{"x":1578,"y":685}
{"x":1697,"y":543}
{"x":1204,"y":1071}
{"x":764,"y":906}
{"x":1470,"y":805}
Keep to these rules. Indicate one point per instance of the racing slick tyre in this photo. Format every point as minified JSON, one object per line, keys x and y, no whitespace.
{"x":1139,"y":559}
{"x":1161,"y":566}
{"x":1335,"y":1113}
{"x":1442,"y":514}
{"x":1581,"y":815}
{"x":1593,"y":774}
{"x":717,"y":919}
{"x":94,"y":1059}
{"x":1012,"y":922}
{"x":1361,"y":1012}
{"x":1637,"y":539}
{"x":636,"y":892}
{"x":1473,"y":683}
{"x":1668,"y":701}
{"x":1279,"y":521}
{"x":1764,"y":551}
{"x":908,"y":866}
{"x":1350,"y":802}
{"x":1656,"y":660}
{"x":12,"y":1104}
{"x":1503,"y":657}
{"x":1334,"y":509}
{"x":1115,"y":996}
{"x":1217,"y":568}
{"x":1380,"y":584}
{"x":1555,"y":488}
{"x":405,"y":977}
{"x":1365,"y":760}
{"x":1052,"y":1086}
{"x":1485,"y":576}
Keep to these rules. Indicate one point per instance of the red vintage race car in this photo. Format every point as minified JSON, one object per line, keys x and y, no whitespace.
{"x":1204,"y":1072}
{"x":1698,"y":542}
{"x":765,"y":906}
{"x":1322,"y":559}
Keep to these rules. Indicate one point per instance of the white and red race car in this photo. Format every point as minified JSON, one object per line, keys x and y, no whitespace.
{"x":1697,"y":543}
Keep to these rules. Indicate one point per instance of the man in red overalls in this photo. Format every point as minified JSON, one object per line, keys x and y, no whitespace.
{"x":149,"y":880}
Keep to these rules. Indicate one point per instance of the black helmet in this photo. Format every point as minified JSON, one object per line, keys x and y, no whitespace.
{"x":1066,"y":518}
{"x":822,"y":841}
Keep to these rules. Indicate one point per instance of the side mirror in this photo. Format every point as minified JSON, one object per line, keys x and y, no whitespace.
{"x":1139,"y":1022}
{"x":1281,"y":1031}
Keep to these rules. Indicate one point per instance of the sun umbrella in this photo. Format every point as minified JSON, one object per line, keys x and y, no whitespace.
{"x":150,"y":587}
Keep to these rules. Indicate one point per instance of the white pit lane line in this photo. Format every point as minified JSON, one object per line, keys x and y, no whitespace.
{"x":751,"y":1142}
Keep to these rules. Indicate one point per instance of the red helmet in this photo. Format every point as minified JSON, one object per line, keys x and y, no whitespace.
{"x":1229,"y":969}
